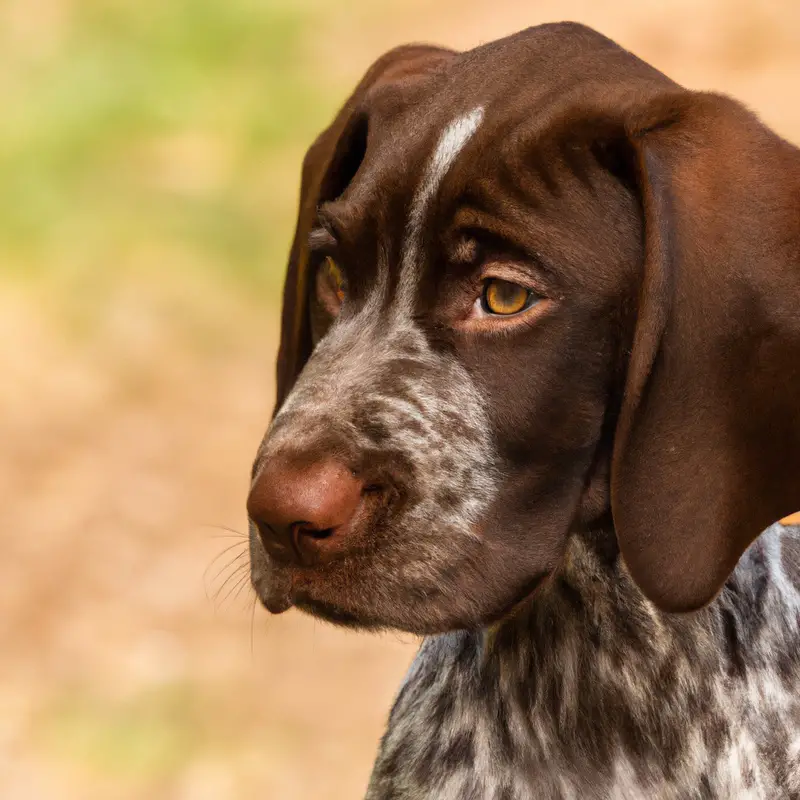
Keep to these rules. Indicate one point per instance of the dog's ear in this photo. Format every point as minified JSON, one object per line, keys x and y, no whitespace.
{"x":330,"y":164}
{"x":707,"y":447}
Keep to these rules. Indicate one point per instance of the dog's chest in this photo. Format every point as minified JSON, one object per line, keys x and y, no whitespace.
{"x":441,"y":764}
{"x":571,"y":704}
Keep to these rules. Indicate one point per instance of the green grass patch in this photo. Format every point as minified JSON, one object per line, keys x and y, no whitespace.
{"x":156,"y":136}
{"x":149,"y":737}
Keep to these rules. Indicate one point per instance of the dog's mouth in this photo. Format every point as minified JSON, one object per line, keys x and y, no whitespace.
{"x":275,"y":588}
{"x":288,"y":587}
{"x":276,"y":598}
{"x":335,"y":614}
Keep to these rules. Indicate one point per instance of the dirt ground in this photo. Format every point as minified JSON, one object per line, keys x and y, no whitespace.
{"x":133,"y":661}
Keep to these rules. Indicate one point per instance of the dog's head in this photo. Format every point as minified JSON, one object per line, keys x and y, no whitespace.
{"x":535,"y":288}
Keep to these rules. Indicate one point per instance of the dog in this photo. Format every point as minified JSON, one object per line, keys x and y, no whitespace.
{"x":538,"y":396}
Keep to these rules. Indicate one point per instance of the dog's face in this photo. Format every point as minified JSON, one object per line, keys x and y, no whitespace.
{"x":473,"y":265}
{"x":439,"y":372}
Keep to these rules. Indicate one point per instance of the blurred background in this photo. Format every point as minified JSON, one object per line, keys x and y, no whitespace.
{"x":149,"y":168}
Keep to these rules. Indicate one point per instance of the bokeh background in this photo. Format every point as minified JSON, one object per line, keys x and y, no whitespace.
{"x":149,"y":167}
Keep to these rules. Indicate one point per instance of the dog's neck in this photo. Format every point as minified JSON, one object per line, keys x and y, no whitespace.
{"x":590,"y":666}
{"x":590,"y":691}
{"x":591,"y":653}
{"x":591,"y":603}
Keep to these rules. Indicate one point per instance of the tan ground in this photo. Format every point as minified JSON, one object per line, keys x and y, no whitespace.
{"x":125,"y":453}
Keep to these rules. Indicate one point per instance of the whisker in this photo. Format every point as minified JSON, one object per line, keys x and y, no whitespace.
{"x":234,"y":560}
{"x":242,"y":586}
{"x":236,"y":569}
{"x":314,"y":637}
{"x":213,"y":586}
{"x":219,"y":555}
{"x":229,"y":569}
{"x":252,"y":622}
{"x":237,"y":585}
{"x":228,"y":531}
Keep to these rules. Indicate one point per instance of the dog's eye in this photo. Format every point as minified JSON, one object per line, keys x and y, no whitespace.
{"x":336,"y":279}
{"x":331,"y":285}
{"x":503,"y":298}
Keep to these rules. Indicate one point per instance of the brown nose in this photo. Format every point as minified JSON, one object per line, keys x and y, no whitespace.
{"x":303,"y":511}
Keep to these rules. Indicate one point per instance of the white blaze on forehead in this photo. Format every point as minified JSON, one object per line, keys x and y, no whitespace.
{"x":450,"y":144}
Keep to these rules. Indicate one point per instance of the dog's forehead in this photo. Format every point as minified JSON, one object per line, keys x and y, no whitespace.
{"x":443,"y":133}
{"x":415,"y":146}
{"x":418,"y":125}
{"x":519,"y":76}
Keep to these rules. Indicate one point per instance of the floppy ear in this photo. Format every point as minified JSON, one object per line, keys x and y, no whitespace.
{"x":707,"y":448}
{"x":329,"y":165}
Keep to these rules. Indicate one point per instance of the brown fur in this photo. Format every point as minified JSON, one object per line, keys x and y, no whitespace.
{"x":543,"y":491}
{"x":669,"y":222}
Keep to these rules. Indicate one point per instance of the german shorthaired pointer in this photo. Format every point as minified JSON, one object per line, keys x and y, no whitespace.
{"x":538,"y":391}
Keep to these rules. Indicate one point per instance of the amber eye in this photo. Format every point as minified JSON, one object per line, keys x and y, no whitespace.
{"x":336,"y":278}
{"x":331,"y":285}
{"x":505,"y":298}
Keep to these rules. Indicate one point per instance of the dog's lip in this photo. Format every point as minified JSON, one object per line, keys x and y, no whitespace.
{"x":328,"y":611}
{"x":277,"y":602}
{"x":287,"y":587}
{"x":290,"y":587}
{"x":294,"y":587}
{"x":276,"y":593}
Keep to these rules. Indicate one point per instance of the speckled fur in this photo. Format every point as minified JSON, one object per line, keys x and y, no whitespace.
{"x":377,"y":393}
{"x":590,"y":692}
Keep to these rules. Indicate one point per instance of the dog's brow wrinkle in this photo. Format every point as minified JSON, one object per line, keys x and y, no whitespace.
{"x":450,"y":144}
{"x":320,"y":238}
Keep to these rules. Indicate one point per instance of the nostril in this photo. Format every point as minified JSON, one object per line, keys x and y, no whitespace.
{"x":307,"y":538}
{"x":315,"y":533}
